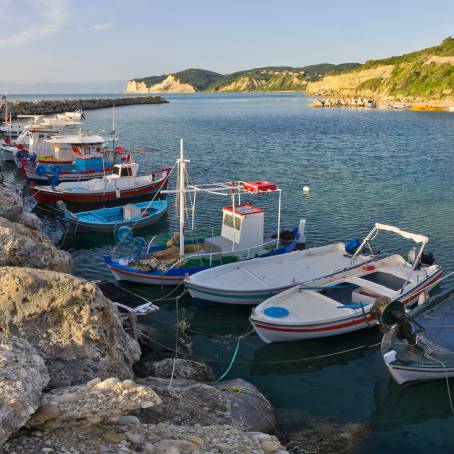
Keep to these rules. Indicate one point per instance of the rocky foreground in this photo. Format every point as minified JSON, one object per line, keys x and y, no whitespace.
{"x":72,"y":381}
{"x":54,"y":106}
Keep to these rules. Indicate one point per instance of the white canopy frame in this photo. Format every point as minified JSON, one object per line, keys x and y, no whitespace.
{"x":422,"y":240}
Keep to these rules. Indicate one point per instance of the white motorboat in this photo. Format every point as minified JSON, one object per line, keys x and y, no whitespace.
{"x":341,"y":304}
{"x":252,"y":281}
{"x":420,"y":346}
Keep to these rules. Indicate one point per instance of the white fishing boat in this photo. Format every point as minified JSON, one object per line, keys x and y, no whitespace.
{"x":124,"y":183}
{"x":419,"y":346}
{"x":341,"y":303}
{"x":253,"y":281}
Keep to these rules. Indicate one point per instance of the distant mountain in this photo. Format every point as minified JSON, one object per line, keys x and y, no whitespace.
{"x":271,"y":78}
{"x":115,"y":86}
{"x":427,"y":74}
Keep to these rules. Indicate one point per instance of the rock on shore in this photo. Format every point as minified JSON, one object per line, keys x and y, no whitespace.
{"x":232,"y":402}
{"x":96,"y":401}
{"x":23,"y":376}
{"x":22,"y":246}
{"x":69,"y":321}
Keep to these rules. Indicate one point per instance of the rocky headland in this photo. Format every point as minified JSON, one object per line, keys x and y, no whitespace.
{"x":72,"y":379}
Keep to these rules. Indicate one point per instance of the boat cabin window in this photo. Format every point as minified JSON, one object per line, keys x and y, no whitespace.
{"x":122,"y":171}
{"x":232,"y":221}
{"x":385,"y":279}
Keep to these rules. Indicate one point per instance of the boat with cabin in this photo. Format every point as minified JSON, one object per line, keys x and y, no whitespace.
{"x":342,"y":303}
{"x":242,"y":235}
{"x":72,"y":157}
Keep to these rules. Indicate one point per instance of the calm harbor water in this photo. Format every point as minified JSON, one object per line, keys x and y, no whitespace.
{"x":363,"y":166}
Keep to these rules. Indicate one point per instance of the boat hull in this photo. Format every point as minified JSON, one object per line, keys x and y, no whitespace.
{"x":174,"y":276}
{"x":282,"y":332}
{"x":31,"y":174}
{"x":46,"y":196}
{"x":124,"y":273}
{"x":80,"y":226}
{"x":403,"y":374}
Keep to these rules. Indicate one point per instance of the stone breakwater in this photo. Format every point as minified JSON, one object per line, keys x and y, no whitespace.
{"x":345,"y":102}
{"x":54,"y":106}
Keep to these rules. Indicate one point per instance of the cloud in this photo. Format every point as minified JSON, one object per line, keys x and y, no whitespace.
{"x":51,"y":15}
{"x":101,"y":27}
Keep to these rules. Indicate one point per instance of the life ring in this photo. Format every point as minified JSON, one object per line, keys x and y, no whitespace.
{"x":368,"y":268}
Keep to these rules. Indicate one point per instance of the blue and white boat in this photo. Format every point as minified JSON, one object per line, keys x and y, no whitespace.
{"x":241,"y":238}
{"x":110,"y":220}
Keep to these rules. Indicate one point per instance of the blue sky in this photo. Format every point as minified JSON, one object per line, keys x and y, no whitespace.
{"x":102,"y":40}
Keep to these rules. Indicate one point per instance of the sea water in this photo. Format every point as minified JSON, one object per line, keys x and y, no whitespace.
{"x":362,"y":166}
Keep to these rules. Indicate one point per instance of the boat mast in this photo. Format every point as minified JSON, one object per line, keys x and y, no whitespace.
{"x":181,"y":189}
{"x":6,"y":107}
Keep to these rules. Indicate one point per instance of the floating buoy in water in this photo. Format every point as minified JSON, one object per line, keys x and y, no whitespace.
{"x":306,"y":189}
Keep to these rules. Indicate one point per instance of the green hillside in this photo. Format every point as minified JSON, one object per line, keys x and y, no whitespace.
{"x":270,"y":78}
{"x":200,"y":79}
{"x":426,"y":74}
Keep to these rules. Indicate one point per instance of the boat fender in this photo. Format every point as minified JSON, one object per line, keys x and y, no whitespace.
{"x":32,"y":157}
{"x":276,"y":312}
{"x":40,"y":170}
{"x":53,"y":181}
{"x":139,"y":243}
{"x":124,"y":233}
{"x":352,"y":246}
{"x":20,"y":154}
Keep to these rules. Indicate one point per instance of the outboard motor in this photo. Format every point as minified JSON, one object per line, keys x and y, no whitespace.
{"x":390,"y":313}
{"x":427,"y":258}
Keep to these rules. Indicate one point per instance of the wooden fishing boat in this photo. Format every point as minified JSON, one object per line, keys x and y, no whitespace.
{"x":419,"y":346}
{"x":110,"y":220}
{"x":122,"y":184}
{"x":342,"y":303}
{"x":242,"y":236}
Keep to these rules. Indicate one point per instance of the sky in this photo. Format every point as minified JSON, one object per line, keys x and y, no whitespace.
{"x":115,"y":40}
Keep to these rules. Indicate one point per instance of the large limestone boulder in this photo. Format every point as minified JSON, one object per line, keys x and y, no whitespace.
{"x":233,"y":402}
{"x":11,"y":205}
{"x":69,"y":321}
{"x":21,"y":246}
{"x":96,"y":401}
{"x":23,"y":375}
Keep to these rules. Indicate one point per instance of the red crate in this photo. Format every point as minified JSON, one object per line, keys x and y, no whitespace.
{"x":259,"y":186}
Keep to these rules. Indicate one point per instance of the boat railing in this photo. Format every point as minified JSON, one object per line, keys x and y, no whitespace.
{"x":246,"y":253}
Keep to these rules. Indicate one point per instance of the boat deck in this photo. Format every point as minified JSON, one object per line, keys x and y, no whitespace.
{"x":277,"y":271}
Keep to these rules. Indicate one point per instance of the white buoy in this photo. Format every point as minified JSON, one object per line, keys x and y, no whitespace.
{"x":306,"y":189}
